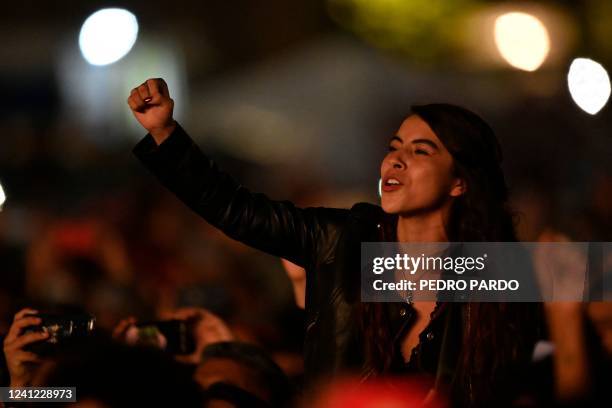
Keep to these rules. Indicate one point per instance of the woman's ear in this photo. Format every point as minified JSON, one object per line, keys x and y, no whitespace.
{"x":459,"y":187}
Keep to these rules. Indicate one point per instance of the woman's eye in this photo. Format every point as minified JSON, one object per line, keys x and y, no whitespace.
{"x":392,"y":149}
{"x":420,"y":151}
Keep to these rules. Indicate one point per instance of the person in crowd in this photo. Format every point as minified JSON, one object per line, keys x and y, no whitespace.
{"x":441,"y":181}
{"x":113,"y":375}
{"x":206,"y":328}
{"x":246,"y":367}
{"x":233,"y":371}
{"x":81,"y":261}
{"x":105,"y":373}
{"x":572,"y":365}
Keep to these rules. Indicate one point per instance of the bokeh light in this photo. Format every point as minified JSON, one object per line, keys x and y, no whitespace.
{"x":2,"y":197}
{"x":589,"y":84}
{"x":422,"y":30}
{"x":108,"y":35}
{"x":522,"y":40}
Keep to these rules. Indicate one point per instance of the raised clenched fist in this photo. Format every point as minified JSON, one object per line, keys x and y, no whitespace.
{"x":152,"y":106}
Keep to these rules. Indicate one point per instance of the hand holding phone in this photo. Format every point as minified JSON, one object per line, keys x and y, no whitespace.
{"x":207,"y":328}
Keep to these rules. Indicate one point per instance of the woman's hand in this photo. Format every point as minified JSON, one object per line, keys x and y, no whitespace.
{"x":20,"y":362}
{"x":152,"y":106}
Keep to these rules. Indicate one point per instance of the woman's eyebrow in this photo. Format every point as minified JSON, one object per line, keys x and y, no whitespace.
{"x":427,"y":142}
{"x":399,"y":139}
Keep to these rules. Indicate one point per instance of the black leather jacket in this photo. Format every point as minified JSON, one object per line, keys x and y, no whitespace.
{"x":325,"y":241}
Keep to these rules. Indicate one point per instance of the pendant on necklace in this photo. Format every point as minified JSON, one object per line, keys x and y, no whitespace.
{"x":409,"y":298}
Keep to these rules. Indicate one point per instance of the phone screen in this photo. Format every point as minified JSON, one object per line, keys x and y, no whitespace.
{"x":172,"y":336}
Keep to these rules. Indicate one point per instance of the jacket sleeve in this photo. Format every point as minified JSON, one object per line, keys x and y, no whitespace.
{"x":302,"y":235}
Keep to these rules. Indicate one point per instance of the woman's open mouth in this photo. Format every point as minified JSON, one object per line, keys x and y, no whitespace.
{"x":391,"y":184}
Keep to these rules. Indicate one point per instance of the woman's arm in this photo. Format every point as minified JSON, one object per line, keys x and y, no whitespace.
{"x":277,"y":227}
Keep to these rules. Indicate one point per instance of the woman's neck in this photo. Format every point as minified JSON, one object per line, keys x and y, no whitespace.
{"x":422,"y":228}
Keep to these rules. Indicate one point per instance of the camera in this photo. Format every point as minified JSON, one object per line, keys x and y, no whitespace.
{"x":62,"y":329}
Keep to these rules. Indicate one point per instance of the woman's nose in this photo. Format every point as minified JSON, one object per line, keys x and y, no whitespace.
{"x":394,"y":160}
{"x":396,"y":163}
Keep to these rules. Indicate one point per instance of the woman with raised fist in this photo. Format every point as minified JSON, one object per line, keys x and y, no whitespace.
{"x":441,"y":182}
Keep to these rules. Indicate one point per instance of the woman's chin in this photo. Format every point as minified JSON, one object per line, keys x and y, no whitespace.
{"x":390,"y":207}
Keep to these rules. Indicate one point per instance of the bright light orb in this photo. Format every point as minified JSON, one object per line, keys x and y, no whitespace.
{"x":522,"y":40}
{"x":108,"y":35}
{"x":2,"y":197}
{"x":589,"y":84}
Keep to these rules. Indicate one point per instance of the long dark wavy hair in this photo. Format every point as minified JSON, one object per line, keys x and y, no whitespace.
{"x":497,"y":338}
